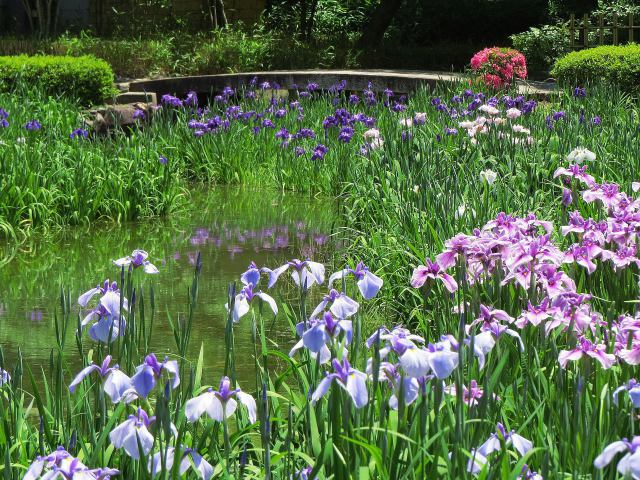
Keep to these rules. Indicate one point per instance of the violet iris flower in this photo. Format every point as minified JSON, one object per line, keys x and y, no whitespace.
{"x":351,"y":380}
{"x":116,"y":384}
{"x":62,"y":465}
{"x":586,"y":347}
{"x":220,"y":404}
{"x":629,"y":464}
{"x":151,"y":371}
{"x":633,"y":388}
{"x":407,"y":385}
{"x":138,"y":258}
{"x":79,"y":133}
{"x":470,"y":395}
{"x":108,"y":321}
{"x":326,"y":331}
{"x":241,"y":306}
{"x":305,"y":273}
{"x":577,"y":172}
{"x":189,"y":458}
{"x":368,"y":283}
{"x":432,"y":271}
{"x":341,"y":305}
{"x":33,"y":125}
{"x":132,"y":431}
{"x":493,"y":443}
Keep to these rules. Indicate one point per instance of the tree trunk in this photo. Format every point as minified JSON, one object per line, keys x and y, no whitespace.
{"x":378,"y":23}
{"x":222,"y":17}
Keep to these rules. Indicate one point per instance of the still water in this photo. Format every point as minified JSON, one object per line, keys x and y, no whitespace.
{"x":229,"y":227}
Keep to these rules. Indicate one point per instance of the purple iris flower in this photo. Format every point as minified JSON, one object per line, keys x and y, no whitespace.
{"x":191,"y":100}
{"x":629,"y":464}
{"x":151,"y":371}
{"x":220,"y":404}
{"x":134,"y":431}
{"x":170,"y":100}
{"x":326,"y":331}
{"x":558,"y":115}
{"x":138,"y":258}
{"x":590,"y":349}
{"x":79,"y":133}
{"x":62,"y":465}
{"x":299,"y":151}
{"x":341,"y":305}
{"x":432,"y":271}
{"x":163,"y":161}
{"x":368,"y":283}
{"x":493,"y":443}
{"x":450,"y":131}
{"x":633,"y":388}
{"x":579,"y":92}
{"x":116,"y":384}
{"x":351,"y":380}
{"x":596,"y":120}
{"x":33,"y":125}
{"x":228,"y":91}
{"x":189,"y":458}
{"x":399,"y":383}
{"x":108,"y":321}
{"x":283,"y":134}
{"x":353,"y":99}
{"x":305,"y":273}
{"x":345,"y":134}
{"x":304,"y":474}
{"x":246,"y":296}
{"x":5,"y":377}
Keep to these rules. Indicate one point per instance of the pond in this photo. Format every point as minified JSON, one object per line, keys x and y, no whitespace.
{"x":229,"y":227}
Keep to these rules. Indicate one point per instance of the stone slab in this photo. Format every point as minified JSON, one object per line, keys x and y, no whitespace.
{"x":135,"y":97}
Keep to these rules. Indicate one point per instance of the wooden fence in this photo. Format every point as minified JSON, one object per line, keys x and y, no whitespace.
{"x":584,"y":34}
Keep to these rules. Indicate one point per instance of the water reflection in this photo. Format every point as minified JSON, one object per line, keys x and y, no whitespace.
{"x":229,"y":227}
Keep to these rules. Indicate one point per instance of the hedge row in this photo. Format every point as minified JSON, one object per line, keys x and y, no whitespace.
{"x":87,"y":79}
{"x":618,"y":64}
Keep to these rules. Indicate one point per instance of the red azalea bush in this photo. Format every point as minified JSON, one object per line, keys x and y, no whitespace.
{"x":498,"y":66}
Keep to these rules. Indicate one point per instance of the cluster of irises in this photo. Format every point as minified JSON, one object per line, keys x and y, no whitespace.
{"x":469,"y":109}
{"x":136,"y":434}
{"x":521,"y":251}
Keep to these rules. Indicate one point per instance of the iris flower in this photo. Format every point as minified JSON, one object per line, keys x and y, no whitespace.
{"x":189,"y":458}
{"x":351,"y":380}
{"x":108,"y":321}
{"x":220,"y":404}
{"x":368,"y":283}
{"x":432,"y":271}
{"x":134,"y":431}
{"x":117,"y":385}
{"x":138,"y":258}
{"x":629,"y":464}
{"x":62,"y":465}
{"x":633,"y":388}
{"x":151,"y":371}
{"x":305,"y":273}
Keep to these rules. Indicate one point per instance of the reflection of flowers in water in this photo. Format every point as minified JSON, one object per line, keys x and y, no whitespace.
{"x":35,"y":315}
{"x":236,"y":240}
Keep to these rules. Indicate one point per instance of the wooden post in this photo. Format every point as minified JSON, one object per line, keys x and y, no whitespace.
{"x":630,"y":27}
{"x":585,"y":29}
{"x":601,"y":28}
{"x":572,"y":30}
{"x":615,"y":29}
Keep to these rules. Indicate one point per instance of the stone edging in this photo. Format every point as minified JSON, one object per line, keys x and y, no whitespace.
{"x":398,"y":81}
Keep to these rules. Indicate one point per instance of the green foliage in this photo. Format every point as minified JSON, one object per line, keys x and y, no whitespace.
{"x":85,"y":79}
{"x":542,"y":46}
{"x":619,"y":65}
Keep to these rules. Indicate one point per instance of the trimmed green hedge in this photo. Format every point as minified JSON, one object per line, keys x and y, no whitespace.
{"x":87,"y":79}
{"x":614,"y":64}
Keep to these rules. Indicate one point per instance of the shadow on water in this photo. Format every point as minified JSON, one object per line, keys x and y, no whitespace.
{"x":230,"y":227}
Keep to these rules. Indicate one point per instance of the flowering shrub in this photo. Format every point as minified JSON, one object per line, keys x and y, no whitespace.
{"x":498,"y":66}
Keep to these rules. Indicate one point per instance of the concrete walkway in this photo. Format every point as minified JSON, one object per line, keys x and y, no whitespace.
{"x":400,"y":81}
